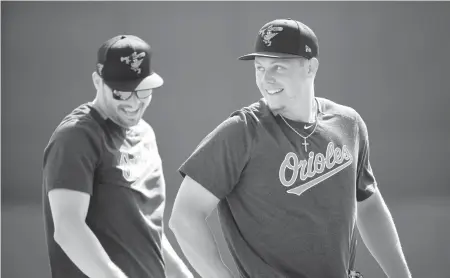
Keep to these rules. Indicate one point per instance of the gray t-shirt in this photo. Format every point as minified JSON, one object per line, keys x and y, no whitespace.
{"x":286,"y":212}
{"x":122,"y":171}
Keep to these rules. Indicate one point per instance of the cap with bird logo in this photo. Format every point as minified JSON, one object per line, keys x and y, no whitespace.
{"x":284,"y":38}
{"x":124,"y":63}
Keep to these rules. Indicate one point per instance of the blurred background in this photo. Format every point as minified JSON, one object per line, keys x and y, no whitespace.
{"x":388,"y":60}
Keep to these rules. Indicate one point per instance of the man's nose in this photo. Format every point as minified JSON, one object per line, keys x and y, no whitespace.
{"x":268,"y":77}
{"x":134,"y":100}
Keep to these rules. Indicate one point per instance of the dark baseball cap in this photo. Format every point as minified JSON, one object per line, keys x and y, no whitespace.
{"x":285,"y":38}
{"x":124,"y":63}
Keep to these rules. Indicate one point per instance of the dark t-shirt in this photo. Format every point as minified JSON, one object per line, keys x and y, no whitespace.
{"x":286,"y":212}
{"x":122,"y":171}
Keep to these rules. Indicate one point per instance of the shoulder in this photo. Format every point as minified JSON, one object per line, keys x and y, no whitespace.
{"x":146,"y":135}
{"x":144,"y":129}
{"x":79,"y":126}
{"x":331,"y":107}
{"x":255,"y":111}
{"x":241,"y":125}
{"x":251,"y":116}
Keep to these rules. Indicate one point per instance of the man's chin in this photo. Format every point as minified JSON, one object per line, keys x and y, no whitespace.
{"x":132,"y":123}
{"x":127,"y":123}
{"x":276,"y":108}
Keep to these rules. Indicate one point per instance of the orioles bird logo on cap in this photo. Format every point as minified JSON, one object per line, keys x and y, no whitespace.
{"x":268,"y":33}
{"x":307,"y":48}
{"x":135,"y":59}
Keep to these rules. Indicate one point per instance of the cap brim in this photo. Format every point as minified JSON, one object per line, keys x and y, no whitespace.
{"x":150,"y":82}
{"x":252,"y":56}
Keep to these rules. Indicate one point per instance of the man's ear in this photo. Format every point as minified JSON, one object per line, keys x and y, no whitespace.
{"x":97,"y":80}
{"x":313,"y":66}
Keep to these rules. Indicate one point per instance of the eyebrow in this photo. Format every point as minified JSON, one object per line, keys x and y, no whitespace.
{"x":280,"y":61}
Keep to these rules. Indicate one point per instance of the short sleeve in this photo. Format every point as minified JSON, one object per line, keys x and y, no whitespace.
{"x":366,"y":183}
{"x":70,"y":159}
{"x":219,"y":159}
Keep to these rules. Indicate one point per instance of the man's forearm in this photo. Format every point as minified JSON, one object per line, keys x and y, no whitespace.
{"x":175,"y":267}
{"x":84,"y":249}
{"x":197,"y":242}
{"x":379,"y":234}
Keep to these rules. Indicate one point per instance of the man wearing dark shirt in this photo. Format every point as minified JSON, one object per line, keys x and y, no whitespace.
{"x":290,"y":175}
{"x":103,"y":183}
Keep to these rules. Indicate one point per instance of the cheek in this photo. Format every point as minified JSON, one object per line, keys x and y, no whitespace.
{"x":110,"y":103}
{"x":115,"y":108}
{"x":258,"y":81}
{"x":258,"y":75}
{"x":146,"y":102}
{"x":291,"y":86}
{"x":108,"y":99}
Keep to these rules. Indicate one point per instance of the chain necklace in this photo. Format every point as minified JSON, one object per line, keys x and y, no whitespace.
{"x":304,"y":137}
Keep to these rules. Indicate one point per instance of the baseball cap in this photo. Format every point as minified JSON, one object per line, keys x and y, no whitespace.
{"x":284,"y":38}
{"x":124,"y":63}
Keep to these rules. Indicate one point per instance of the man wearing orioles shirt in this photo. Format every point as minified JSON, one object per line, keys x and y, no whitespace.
{"x":290,"y":175}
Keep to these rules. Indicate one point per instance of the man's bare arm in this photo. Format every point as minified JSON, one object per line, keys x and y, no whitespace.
{"x":69,"y":209}
{"x":192,"y":206}
{"x":379,"y":234}
{"x":175,"y":267}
